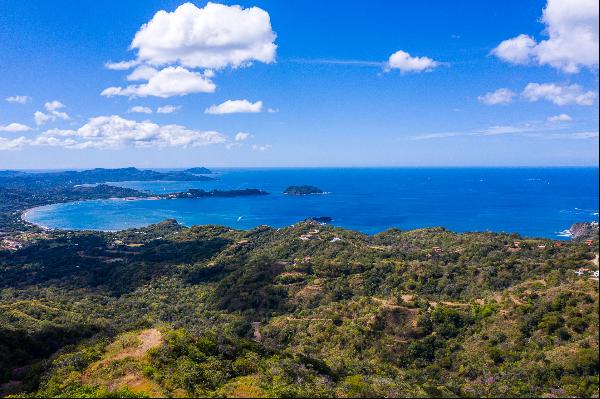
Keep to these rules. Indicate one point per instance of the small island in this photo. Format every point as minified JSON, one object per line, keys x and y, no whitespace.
{"x":302,"y":190}
{"x":198,"y":171}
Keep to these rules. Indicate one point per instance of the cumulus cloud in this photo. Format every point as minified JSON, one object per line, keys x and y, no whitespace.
{"x":112,"y":132}
{"x":53,"y":105}
{"x":172,"y":45}
{"x":143,"y":72}
{"x":500,"y":96}
{"x":215,"y":36}
{"x":18,"y":99}
{"x":559,"y":118}
{"x":167,"y":109}
{"x":559,"y":94}
{"x":12,"y":144}
{"x":517,"y":50}
{"x":572,"y":29}
{"x":14,"y":127}
{"x":53,"y":113}
{"x":404,"y":62}
{"x":168,"y":82}
{"x":234,"y":107}
{"x":40,"y":118}
{"x":241,"y":136}
{"x":140,"y":110}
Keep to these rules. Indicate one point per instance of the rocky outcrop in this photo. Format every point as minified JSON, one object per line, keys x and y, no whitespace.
{"x":584,"y":231}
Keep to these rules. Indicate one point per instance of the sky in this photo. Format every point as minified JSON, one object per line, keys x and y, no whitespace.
{"x":298,"y":84}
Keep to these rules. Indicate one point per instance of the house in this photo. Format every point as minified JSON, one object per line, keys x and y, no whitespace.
{"x":595,"y":274}
{"x":437,"y":250}
{"x":517,"y":244}
{"x":11,"y":245}
{"x":335,"y":239}
{"x":542,"y":246}
{"x":558,"y":244}
{"x":581,"y":271}
{"x":589,"y":242}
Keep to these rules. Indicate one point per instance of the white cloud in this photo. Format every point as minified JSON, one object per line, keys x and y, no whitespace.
{"x":12,"y":144}
{"x":53,"y":105}
{"x":572,"y":29}
{"x":52,"y":114}
{"x":272,"y":110}
{"x":215,"y":36}
{"x":41,"y":118}
{"x":241,"y":136}
{"x":559,"y":118}
{"x":559,"y":94}
{"x":122,"y":65}
{"x":234,"y":106}
{"x":140,"y":110}
{"x":18,"y":99}
{"x":143,"y":72}
{"x":404,"y":62}
{"x":517,"y":50}
{"x":14,"y":127}
{"x":170,"y":81}
{"x":112,"y":132}
{"x":528,"y":130}
{"x":500,"y":96}
{"x":265,"y":147}
{"x":167,"y":109}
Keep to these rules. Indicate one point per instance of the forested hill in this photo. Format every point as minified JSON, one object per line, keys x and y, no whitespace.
{"x":307,"y":310}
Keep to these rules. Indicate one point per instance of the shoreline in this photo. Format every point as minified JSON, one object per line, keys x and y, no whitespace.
{"x":24,"y":216}
{"x":26,"y":212}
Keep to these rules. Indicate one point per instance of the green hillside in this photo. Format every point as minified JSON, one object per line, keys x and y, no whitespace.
{"x":307,"y":310}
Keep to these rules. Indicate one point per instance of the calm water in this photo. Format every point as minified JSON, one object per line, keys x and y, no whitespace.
{"x":531,"y":201}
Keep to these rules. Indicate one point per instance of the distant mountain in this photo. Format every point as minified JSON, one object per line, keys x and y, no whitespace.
{"x":98,"y":175}
{"x":198,"y":171}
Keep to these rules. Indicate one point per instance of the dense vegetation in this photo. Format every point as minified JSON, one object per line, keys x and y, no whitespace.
{"x":307,"y":310}
{"x":196,"y":193}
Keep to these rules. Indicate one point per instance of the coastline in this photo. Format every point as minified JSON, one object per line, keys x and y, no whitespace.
{"x":26,"y":212}
{"x":564,"y":235}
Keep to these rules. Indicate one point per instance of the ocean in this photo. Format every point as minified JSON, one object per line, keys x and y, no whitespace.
{"x":536,"y":202}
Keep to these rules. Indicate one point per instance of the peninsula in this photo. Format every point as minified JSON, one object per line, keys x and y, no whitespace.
{"x":302,"y":190}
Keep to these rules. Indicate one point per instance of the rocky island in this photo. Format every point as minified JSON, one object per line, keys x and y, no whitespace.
{"x":302,"y":190}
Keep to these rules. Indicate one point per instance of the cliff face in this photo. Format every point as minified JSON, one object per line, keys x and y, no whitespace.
{"x":584,"y":230}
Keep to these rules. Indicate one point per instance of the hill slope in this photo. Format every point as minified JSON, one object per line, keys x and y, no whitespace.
{"x":307,"y":310}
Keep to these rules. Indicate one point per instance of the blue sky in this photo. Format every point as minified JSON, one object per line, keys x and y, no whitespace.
{"x":383,"y":83}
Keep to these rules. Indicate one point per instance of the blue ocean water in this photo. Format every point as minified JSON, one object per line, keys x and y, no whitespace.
{"x":540,"y":202}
